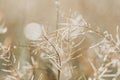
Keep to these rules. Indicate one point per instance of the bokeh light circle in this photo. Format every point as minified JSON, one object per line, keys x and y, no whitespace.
{"x":33,"y":31}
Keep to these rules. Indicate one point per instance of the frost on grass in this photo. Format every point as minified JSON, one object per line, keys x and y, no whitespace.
{"x":66,"y":54}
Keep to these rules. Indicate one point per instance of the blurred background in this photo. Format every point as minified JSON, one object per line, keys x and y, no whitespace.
{"x":15,"y":15}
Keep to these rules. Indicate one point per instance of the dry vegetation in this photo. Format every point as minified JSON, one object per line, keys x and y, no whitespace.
{"x":75,"y":52}
{"x":78,"y":51}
